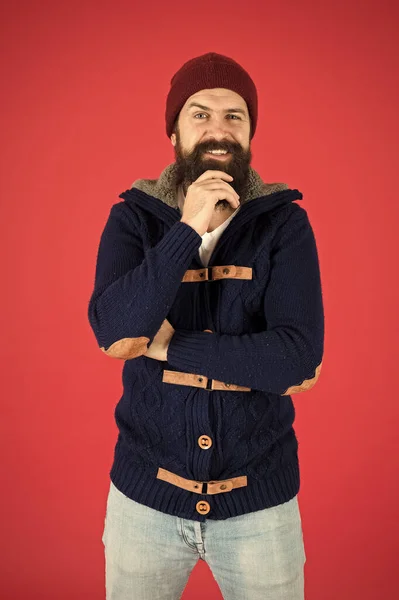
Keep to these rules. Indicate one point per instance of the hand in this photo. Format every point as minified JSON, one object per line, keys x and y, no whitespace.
{"x":158,"y":348}
{"x":202,"y":196}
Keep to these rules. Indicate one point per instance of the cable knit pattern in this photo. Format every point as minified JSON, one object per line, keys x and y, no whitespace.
{"x":267,"y":334}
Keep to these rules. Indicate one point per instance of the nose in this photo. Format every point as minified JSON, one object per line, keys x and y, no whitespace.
{"x":218,"y":129}
{"x":218,"y":135}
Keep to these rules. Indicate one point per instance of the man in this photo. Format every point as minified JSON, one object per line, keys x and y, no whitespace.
{"x":208,"y":286}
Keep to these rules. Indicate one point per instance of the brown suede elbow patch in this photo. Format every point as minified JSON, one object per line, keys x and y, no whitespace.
{"x":306,"y":385}
{"x":127,"y":348}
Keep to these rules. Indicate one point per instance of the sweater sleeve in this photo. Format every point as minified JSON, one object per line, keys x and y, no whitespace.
{"x":287,"y":357}
{"x":135,"y":289}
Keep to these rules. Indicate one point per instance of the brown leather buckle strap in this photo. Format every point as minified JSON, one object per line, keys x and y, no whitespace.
{"x":200,"y":381}
{"x":202,"y":487}
{"x":214,"y":273}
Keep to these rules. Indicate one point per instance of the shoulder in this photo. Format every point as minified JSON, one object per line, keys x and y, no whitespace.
{"x":290,"y":222}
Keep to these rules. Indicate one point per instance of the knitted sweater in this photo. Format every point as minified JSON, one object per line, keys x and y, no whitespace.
{"x":266,"y":337}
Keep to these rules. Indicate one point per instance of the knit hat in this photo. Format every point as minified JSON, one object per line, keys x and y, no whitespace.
{"x":209,"y":71}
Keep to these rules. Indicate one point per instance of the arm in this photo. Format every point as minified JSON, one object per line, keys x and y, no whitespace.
{"x":134,"y":290}
{"x":287,"y":357}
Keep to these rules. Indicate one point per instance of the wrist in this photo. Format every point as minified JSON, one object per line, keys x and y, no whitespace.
{"x":165,"y":353}
{"x":192,"y":227}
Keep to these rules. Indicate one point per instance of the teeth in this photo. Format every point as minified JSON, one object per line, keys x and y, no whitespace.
{"x":218,"y":151}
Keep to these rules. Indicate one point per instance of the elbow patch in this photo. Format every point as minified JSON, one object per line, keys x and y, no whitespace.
{"x":306,"y":385}
{"x":127,"y":348}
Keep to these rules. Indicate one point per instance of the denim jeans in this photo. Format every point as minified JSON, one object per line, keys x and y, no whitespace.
{"x":149,"y":555}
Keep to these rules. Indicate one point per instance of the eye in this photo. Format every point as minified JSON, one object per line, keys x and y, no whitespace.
{"x":229,"y":115}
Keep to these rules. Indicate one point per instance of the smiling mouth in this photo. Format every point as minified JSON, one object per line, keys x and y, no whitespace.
{"x":210,"y":154}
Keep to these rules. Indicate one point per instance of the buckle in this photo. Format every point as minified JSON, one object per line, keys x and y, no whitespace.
{"x":208,"y":271}
{"x":208,"y":387}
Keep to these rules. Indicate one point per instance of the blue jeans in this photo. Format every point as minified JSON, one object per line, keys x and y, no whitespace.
{"x":149,"y":555}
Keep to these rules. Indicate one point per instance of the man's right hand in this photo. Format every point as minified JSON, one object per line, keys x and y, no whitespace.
{"x":202,"y":196}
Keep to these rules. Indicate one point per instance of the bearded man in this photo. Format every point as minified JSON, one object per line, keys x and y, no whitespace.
{"x":208,"y":287}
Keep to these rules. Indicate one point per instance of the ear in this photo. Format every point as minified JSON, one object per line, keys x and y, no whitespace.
{"x":173,"y":139}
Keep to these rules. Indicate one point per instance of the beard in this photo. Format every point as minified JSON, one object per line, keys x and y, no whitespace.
{"x":189,"y":166}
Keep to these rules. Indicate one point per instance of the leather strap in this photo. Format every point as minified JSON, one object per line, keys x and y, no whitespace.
{"x":214,"y":273}
{"x":200,"y":381}
{"x":202,"y":487}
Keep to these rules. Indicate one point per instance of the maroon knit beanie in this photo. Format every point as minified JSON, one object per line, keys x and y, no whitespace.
{"x":209,"y":71}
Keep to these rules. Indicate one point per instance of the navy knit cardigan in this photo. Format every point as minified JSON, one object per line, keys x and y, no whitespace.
{"x":267,"y":334}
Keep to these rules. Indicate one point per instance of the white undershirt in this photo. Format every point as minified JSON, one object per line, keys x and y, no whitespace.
{"x":210,"y":238}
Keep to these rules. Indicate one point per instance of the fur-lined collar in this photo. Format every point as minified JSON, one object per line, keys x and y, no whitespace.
{"x":164,"y":188}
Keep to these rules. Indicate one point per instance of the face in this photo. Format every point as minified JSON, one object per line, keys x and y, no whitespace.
{"x":215,"y":119}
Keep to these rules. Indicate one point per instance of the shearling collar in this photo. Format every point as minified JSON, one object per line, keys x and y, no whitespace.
{"x":164,"y":188}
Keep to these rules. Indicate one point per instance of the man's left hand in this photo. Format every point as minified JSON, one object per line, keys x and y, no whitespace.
{"x":158,"y":348}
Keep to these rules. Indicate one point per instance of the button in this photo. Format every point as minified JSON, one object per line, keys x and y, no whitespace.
{"x":203,"y":507}
{"x":204,"y":442}
{"x":226,"y":271}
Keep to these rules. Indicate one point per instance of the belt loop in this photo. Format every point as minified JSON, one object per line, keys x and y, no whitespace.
{"x":209,"y":387}
{"x":204,"y":487}
{"x":210,"y":273}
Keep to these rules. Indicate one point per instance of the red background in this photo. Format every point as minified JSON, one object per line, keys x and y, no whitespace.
{"x":82,"y":116}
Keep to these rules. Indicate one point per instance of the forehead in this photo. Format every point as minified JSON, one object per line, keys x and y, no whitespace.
{"x":217,"y":98}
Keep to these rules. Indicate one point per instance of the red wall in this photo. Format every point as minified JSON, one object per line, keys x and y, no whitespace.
{"x":82,"y":116}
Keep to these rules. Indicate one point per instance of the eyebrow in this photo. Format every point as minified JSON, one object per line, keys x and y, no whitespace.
{"x":228,"y":110}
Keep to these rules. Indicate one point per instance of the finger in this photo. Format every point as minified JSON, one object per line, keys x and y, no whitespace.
{"x":212,"y":174}
{"x":218,"y":185}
